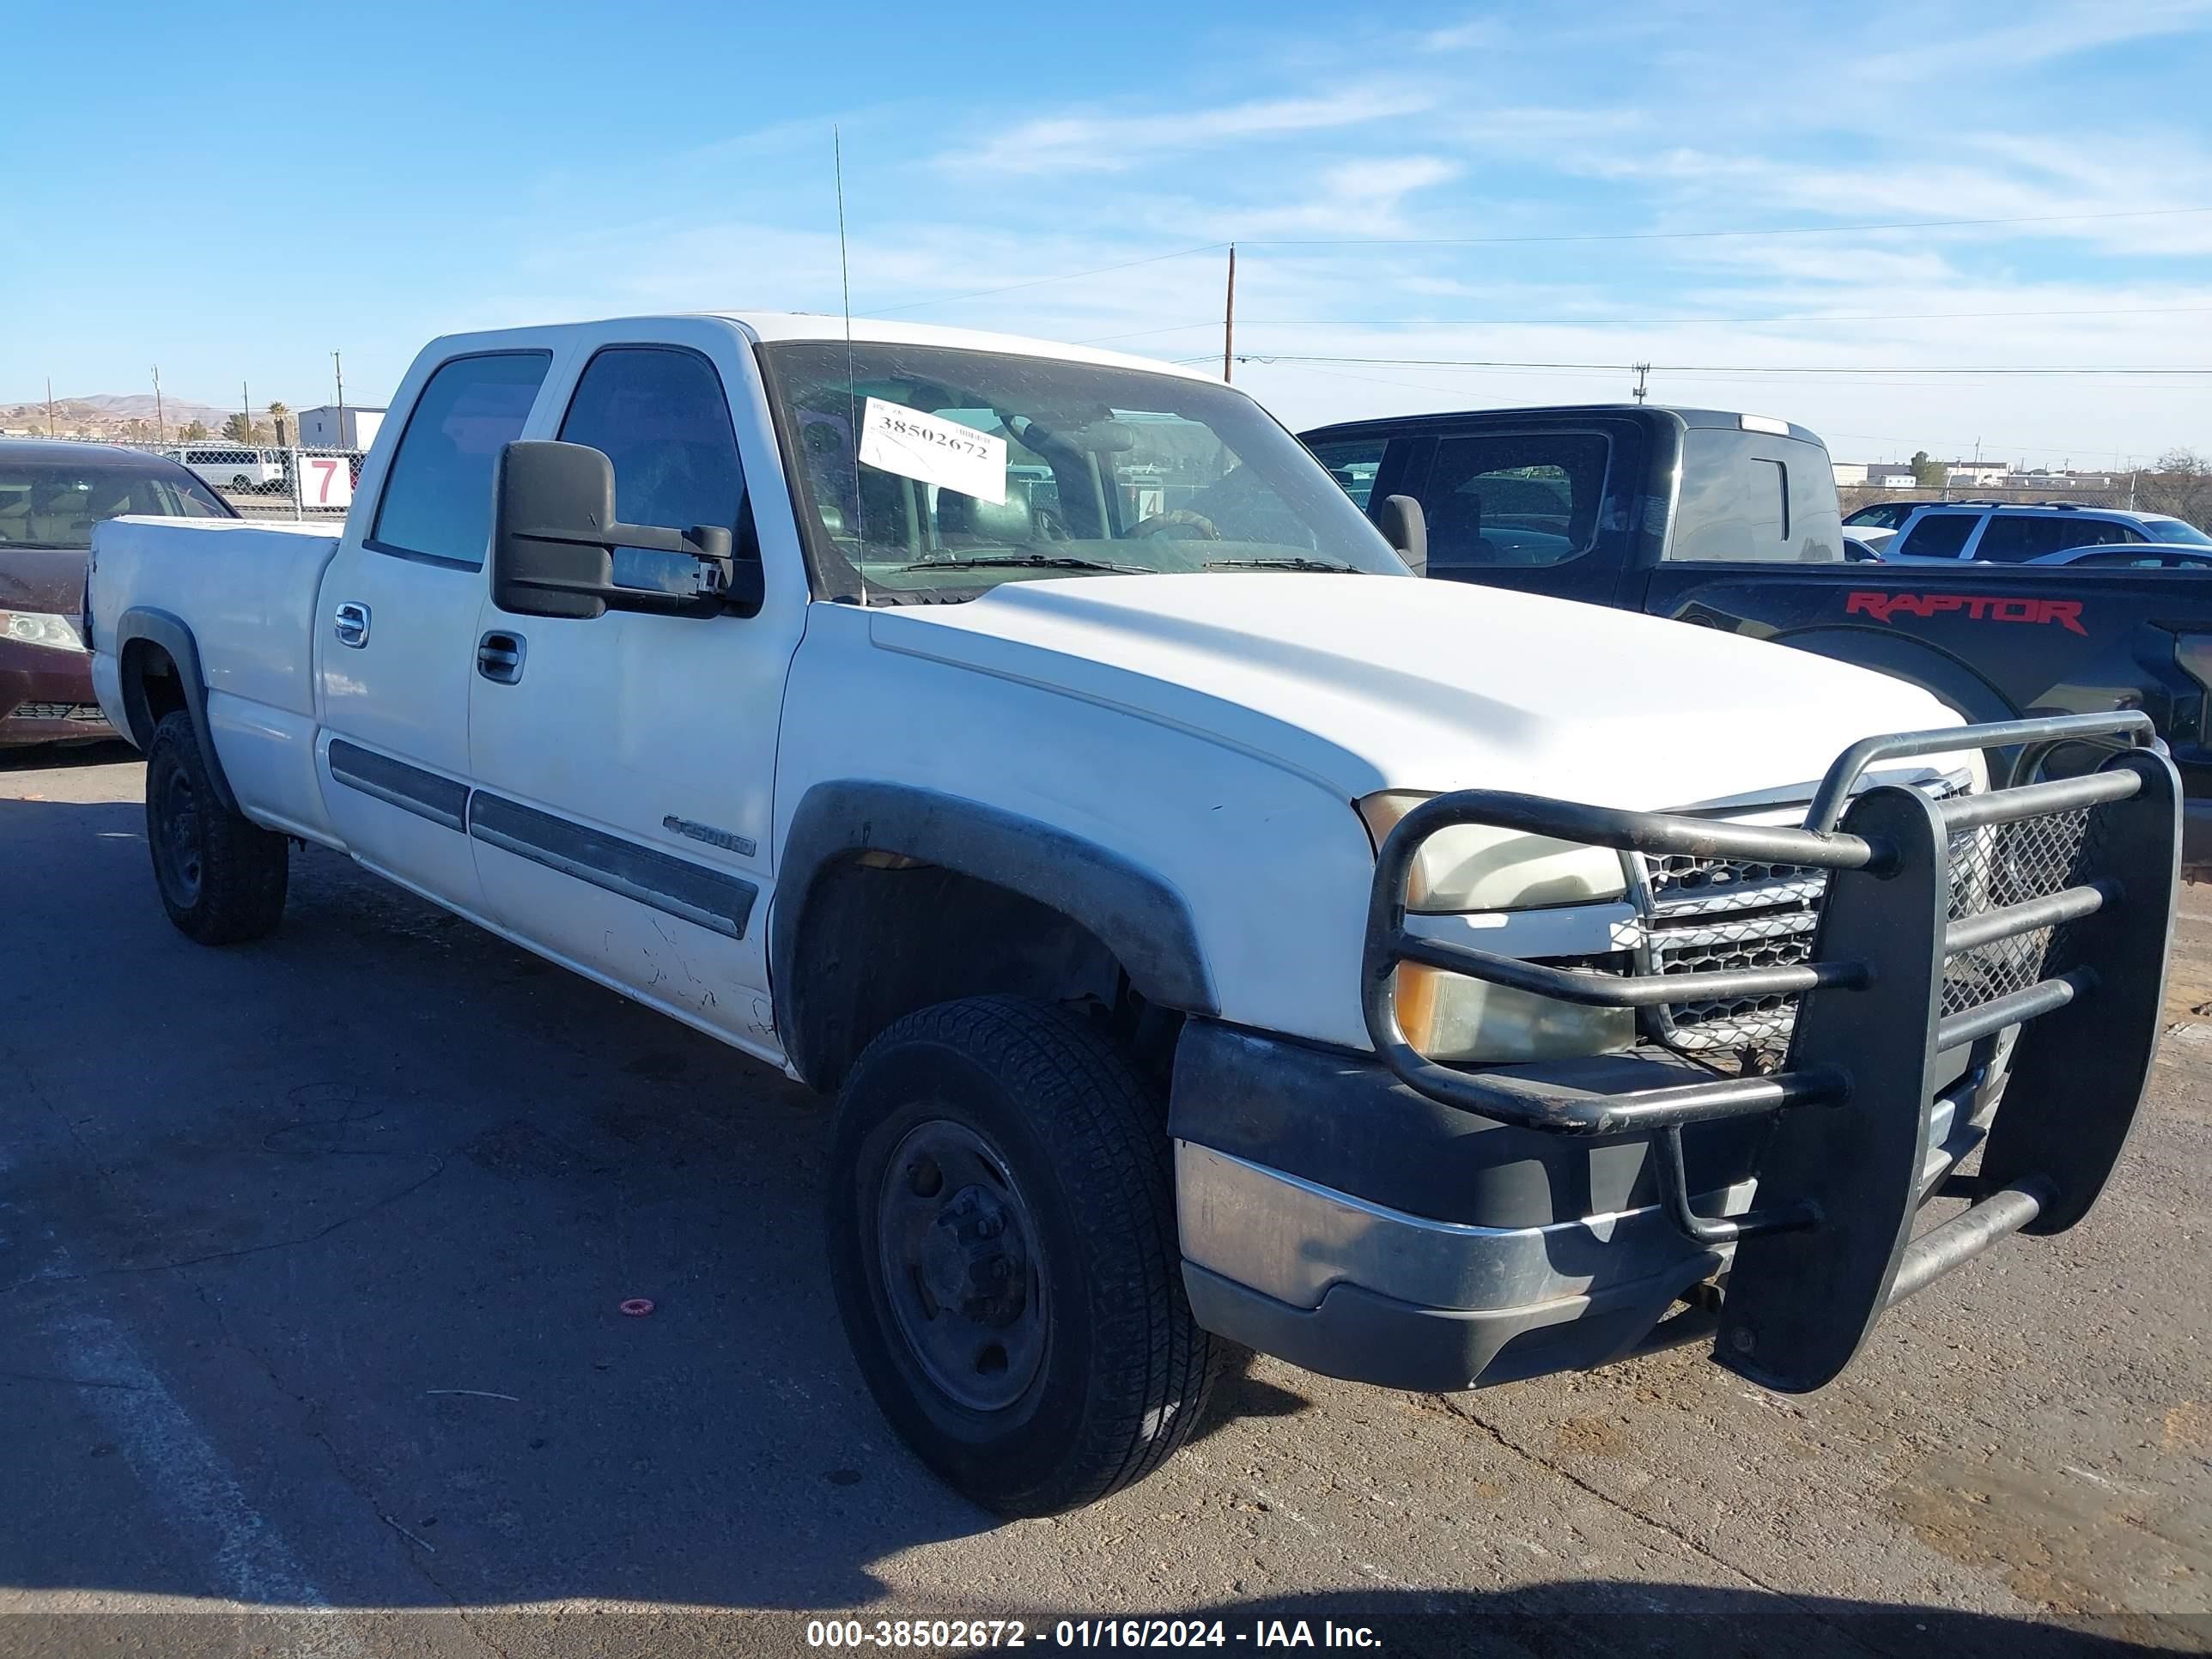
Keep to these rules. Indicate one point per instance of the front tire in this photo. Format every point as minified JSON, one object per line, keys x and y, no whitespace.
{"x":221,"y":876}
{"x":1002,"y":1242}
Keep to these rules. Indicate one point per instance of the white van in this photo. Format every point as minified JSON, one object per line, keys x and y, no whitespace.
{"x":230,"y":466}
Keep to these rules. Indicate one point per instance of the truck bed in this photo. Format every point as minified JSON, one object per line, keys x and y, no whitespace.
{"x":1996,"y":641}
{"x":249,"y":591}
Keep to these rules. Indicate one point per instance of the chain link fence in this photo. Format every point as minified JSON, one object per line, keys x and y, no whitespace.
{"x":264,"y":482}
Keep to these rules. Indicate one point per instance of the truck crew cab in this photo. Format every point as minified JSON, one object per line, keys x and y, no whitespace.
{"x":1210,"y":934}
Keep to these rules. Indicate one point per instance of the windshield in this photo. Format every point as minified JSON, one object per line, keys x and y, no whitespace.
{"x":2172,"y":530}
{"x":56,"y":503}
{"x":929,"y":473}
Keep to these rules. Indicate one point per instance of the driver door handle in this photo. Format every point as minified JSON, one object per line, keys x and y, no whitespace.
{"x":350,"y":622}
{"x":499,"y":656}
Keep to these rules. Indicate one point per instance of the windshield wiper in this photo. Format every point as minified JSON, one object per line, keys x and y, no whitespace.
{"x":1038,"y":560}
{"x":1298,"y":563}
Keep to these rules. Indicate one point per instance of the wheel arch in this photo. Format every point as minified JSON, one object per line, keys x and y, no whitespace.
{"x":1049,"y":904}
{"x":158,"y":660}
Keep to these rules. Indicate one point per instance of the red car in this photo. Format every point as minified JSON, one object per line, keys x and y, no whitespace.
{"x":52,"y":494}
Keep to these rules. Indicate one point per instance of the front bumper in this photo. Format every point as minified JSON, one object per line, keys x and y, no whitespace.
{"x":1396,"y":1219}
{"x":1333,"y":1217}
{"x":47,"y":696}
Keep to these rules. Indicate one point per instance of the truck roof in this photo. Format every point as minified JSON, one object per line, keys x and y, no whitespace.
{"x":1731,"y":420}
{"x":769,"y":327}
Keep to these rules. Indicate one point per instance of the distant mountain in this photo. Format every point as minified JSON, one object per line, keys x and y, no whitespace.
{"x":112,"y":415}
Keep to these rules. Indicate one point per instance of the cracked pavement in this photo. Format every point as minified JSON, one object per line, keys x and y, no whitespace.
{"x":310,"y":1259}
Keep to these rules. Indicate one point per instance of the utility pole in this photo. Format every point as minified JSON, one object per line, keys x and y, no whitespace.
{"x":1228,"y":319}
{"x":245,"y":408}
{"x":1642,"y":371}
{"x":160,"y":427}
{"x":50,"y":406}
{"x":338,"y":368}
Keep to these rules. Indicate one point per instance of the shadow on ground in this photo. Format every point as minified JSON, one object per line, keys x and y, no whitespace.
{"x":313,"y":1251}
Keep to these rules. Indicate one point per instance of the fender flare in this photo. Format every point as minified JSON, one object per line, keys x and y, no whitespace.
{"x":1136,"y":914}
{"x":169,"y":632}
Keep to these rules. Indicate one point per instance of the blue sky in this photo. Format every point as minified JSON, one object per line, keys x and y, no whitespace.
{"x":234,"y":202}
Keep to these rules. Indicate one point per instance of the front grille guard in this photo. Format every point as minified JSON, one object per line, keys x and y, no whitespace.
{"x":1902,"y":928}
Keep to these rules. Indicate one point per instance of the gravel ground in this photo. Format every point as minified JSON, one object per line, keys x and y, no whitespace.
{"x":310,"y":1256}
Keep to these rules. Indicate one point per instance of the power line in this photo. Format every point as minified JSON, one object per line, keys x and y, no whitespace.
{"x":1589,"y":236}
{"x":1650,"y":322}
{"x":1703,"y":236}
{"x":1738,"y":368}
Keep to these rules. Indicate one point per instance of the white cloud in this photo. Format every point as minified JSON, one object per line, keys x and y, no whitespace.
{"x":1114,"y":143}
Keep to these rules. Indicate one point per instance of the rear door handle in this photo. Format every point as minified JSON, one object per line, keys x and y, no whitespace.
{"x":499,"y":657}
{"x":350,"y":623}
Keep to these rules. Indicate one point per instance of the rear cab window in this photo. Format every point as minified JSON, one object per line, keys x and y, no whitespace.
{"x":437,"y":500}
{"x":1754,"y":497}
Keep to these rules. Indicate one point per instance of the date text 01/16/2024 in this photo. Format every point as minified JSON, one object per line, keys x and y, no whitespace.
{"x":925,"y":1634}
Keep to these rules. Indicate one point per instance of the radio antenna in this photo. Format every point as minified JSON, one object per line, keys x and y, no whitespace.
{"x":851,"y":393}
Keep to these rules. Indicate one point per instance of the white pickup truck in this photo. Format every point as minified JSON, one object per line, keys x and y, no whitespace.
{"x":1212,"y":936}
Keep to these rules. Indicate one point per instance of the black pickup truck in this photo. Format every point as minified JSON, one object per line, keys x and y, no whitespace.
{"x":1725,"y":520}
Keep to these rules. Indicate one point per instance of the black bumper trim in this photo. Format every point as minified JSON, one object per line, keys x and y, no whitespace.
{"x":1363,"y":1336}
{"x":1339,"y":1120}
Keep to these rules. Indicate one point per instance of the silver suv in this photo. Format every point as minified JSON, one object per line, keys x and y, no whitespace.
{"x":1990,"y":533}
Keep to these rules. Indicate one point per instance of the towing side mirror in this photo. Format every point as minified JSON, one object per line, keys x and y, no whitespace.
{"x":558,"y":550}
{"x":1405,"y":527}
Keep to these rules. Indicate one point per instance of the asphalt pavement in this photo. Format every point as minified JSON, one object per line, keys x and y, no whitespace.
{"x":312,"y":1255}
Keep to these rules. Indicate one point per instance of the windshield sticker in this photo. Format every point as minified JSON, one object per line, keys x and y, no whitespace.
{"x":933,"y":450}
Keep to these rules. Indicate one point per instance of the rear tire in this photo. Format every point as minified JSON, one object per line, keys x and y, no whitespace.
{"x":1002,"y":1242}
{"x":221,"y":877}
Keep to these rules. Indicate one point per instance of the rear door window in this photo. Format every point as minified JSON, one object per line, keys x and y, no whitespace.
{"x":1935,"y":536}
{"x":437,"y":497}
{"x":1514,"y":499}
{"x":2012,"y":539}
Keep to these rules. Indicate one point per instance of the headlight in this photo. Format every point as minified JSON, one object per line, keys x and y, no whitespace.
{"x":1476,"y":868}
{"x":40,"y":628}
{"x":1458,"y":1020}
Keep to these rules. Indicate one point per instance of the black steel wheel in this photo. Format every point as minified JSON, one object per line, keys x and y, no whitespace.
{"x":1002,"y":1242}
{"x":221,"y":877}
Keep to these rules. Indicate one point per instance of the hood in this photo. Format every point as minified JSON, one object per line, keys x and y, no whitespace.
{"x":1367,"y":683}
{"x":43,"y":579}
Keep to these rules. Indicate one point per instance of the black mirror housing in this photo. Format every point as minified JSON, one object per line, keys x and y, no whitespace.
{"x":1405,"y":527}
{"x":554,"y":535}
{"x":548,"y":500}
